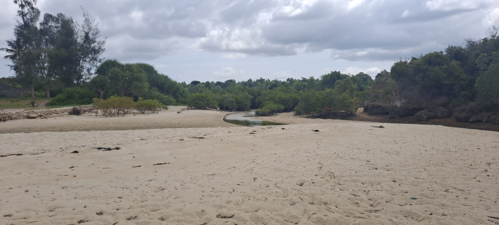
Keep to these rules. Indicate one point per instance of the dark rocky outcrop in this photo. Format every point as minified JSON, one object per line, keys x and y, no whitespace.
{"x":31,"y":116}
{"x":440,"y":112}
{"x":75,"y":111}
{"x":412,"y":100}
{"x":376,"y":108}
{"x":39,"y":114}
{"x":481,"y":117}
{"x":464,"y":112}
{"x":441,"y":101}
{"x":396,"y":112}
{"x":407,"y":100}
{"x":494,"y":119}
{"x":423,"y":115}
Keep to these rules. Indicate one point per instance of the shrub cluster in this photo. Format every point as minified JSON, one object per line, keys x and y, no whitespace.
{"x":330,"y":103}
{"x":148,"y":105}
{"x":269,"y":108}
{"x":73,"y":96}
{"x":163,"y":99}
{"x":201,"y":101}
{"x":120,"y":106}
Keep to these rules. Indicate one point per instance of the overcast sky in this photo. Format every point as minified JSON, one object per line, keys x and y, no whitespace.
{"x":216,"y":40}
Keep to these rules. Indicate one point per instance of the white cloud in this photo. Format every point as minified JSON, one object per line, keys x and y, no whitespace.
{"x":235,"y":56}
{"x":355,"y":70}
{"x":280,"y":75}
{"x":448,"y":5}
{"x":161,"y":66}
{"x":136,"y":15}
{"x":354,"y":4}
{"x":405,"y":14}
{"x":366,"y":33}
{"x":381,"y":54}
{"x":491,"y":19}
{"x":296,"y":8}
{"x":228,"y":72}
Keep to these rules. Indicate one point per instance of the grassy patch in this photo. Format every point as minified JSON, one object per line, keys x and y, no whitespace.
{"x":19,"y":103}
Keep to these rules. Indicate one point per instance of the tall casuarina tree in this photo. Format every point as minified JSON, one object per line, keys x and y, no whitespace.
{"x":24,"y":50}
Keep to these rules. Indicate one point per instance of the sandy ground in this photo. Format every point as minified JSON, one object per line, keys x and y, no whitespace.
{"x":89,"y":122}
{"x":346,"y":173}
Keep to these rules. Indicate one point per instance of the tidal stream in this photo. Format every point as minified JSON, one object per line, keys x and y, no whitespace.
{"x":247,"y":119}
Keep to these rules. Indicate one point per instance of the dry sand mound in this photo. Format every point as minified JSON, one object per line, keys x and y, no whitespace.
{"x":89,"y":122}
{"x":346,"y":173}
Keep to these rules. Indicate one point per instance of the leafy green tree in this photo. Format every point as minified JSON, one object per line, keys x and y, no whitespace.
{"x":24,"y":51}
{"x":73,"y":96}
{"x":487,"y":84}
{"x":383,"y":87}
{"x":61,"y":47}
{"x":199,"y":88}
{"x":10,"y":81}
{"x":164,"y":84}
{"x":90,"y":48}
{"x":243,"y":101}
{"x":154,"y":94}
{"x":346,"y":86}
{"x":73,"y":49}
{"x":329,"y":80}
{"x":128,"y":80}
{"x":363,"y":81}
{"x":311,"y":102}
{"x":269,"y":108}
{"x":227,"y":101}
{"x":201,"y":101}
{"x":100,"y":83}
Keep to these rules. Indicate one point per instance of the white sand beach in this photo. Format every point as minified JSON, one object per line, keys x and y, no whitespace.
{"x":212,"y":172}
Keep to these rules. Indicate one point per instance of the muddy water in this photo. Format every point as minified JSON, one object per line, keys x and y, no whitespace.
{"x":247,"y":119}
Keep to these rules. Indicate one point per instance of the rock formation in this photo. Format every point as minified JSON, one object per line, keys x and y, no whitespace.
{"x":41,"y":114}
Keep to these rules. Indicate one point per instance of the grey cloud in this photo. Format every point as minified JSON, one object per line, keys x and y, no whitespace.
{"x":379,"y":54}
{"x":374,"y":26}
{"x":150,"y":29}
{"x":262,"y":50}
{"x":244,"y":13}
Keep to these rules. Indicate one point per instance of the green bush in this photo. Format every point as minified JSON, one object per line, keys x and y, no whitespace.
{"x":38,"y":94}
{"x":487,"y":84}
{"x":330,"y":103}
{"x":288,"y":100}
{"x":115,"y":106}
{"x":73,"y":96}
{"x":148,"y":105}
{"x":243,"y":101}
{"x":120,"y":106}
{"x":163,"y":99}
{"x":201,"y":101}
{"x":310,"y":103}
{"x":226,"y":101}
{"x":269,"y":108}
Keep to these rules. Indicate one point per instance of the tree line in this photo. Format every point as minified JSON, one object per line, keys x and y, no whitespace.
{"x":61,"y":57}
{"x":462,"y":73}
{"x":56,"y":53}
{"x":340,"y":94}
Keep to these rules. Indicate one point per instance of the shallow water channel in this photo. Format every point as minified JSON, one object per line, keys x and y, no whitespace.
{"x":247,"y":119}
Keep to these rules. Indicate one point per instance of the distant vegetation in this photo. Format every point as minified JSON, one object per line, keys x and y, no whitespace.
{"x":120,"y":106}
{"x":61,"y":58}
{"x":464,"y":74}
{"x":340,"y":94}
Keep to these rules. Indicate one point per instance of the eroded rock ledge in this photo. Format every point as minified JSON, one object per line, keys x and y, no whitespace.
{"x":40,"y":114}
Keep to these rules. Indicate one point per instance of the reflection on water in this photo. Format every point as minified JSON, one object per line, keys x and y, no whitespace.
{"x":247,"y":119}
